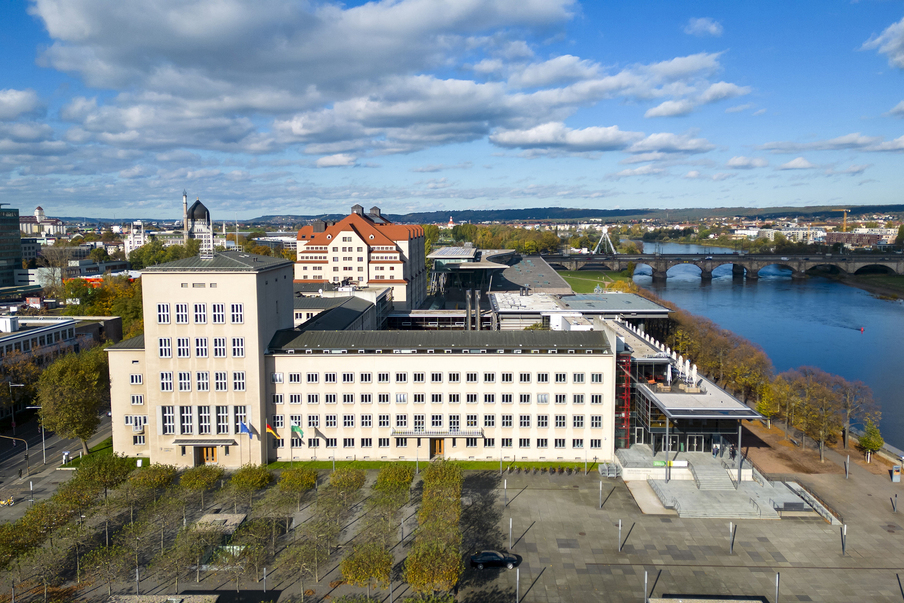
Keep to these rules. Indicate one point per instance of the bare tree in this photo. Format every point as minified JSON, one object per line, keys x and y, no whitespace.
{"x":857,"y":404}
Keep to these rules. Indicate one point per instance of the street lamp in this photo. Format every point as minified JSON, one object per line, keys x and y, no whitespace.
{"x":11,"y":386}
{"x":27,"y":471}
{"x":43,"y":449}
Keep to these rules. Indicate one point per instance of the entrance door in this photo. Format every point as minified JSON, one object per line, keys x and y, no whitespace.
{"x":638,"y":435}
{"x":209,"y":454}
{"x":695,"y":443}
{"x":436,"y":447}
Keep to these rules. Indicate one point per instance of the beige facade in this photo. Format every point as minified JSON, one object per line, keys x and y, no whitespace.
{"x":219,"y":351}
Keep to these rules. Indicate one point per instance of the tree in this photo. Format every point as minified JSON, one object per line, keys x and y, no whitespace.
{"x":53,"y":260}
{"x":871,"y":440}
{"x":297,"y":481}
{"x":20,"y":368}
{"x":154,"y":478}
{"x":132,"y":538}
{"x":106,"y":472}
{"x":432,"y":566}
{"x":820,"y":405}
{"x":44,"y":565}
{"x":250,"y":478}
{"x":99,"y":255}
{"x":856,"y":404}
{"x":201,"y":479}
{"x":368,"y":565}
{"x":303,"y":559}
{"x":899,"y":239}
{"x":273,"y":508}
{"x":71,"y":393}
{"x":107,"y":564}
{"x":173,"y":563}
{"x":768,"y":405}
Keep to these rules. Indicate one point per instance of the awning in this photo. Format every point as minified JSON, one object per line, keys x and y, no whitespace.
{"x":205,"y":443}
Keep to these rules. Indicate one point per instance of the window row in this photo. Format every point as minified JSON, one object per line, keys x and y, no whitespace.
{"x":576,"y":443}
{"x":202,"y":382}
{"x":420,"y":421}
{"x":418,"y":398}
{"x":437,"y":377}
{"x":203,"y":420}
{"x":183,"y":348}
{"x":198,"y":312}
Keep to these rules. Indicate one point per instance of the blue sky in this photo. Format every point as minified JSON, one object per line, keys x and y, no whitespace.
{"x":286,"y":106}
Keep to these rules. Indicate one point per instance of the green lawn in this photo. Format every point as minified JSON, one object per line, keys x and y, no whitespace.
{"x":465,"y":465}
{"x":584,"y":281}
{"x":892,"y":281}
{"x":103,"y":448}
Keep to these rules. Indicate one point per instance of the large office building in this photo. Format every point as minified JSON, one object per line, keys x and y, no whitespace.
{"x":365,"y":249}
{"x":222,"y":376}
{"x":10,"y":247}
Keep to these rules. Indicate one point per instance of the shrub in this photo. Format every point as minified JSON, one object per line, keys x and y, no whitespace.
{"x":394,"y":477}
{"x":201,"y":478}
{"x":250,"y":478}
{"x":297,"y":480}
{"x":347,"y":480}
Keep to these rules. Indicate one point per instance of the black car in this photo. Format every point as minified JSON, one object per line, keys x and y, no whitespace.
{"x":493,"y":559}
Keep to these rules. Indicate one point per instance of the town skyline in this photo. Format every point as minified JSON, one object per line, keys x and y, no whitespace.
{"x":418,"y":107}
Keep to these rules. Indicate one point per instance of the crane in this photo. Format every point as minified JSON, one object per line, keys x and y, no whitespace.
{"x":844,"y":224}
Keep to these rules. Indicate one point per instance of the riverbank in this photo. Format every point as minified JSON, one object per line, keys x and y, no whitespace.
{"x":885,"y":286}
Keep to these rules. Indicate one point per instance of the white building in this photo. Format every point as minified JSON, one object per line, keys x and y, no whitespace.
{"x":39,"y":223}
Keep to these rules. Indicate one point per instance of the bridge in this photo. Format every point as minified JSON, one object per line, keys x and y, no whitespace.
{"x":748,"y":265}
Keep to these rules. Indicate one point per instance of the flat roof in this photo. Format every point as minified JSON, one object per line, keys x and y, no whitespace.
{"x":339,"y":317}
{"x":640,"y":348}
{"x":228,"y":261}
{"x":712,"y":402}
{"x":461,"y":341}
{"x":315,"y":302}
{"x":596,"y":303}
{"x":533,"y":272}
{"x":453,"y":253}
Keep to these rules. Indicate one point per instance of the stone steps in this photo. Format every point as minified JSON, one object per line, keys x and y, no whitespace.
{"x":713,"y":478}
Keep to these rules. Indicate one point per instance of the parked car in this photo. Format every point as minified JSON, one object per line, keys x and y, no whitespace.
{"x":493,"y":559}
{"x":784,"y":259}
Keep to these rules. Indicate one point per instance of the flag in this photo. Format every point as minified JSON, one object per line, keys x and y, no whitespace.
{"x":244,"y":429}
{"x":297,"y":429}
{"x":270,"y":430}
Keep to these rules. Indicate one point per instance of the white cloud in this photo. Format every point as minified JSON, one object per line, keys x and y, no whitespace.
{"x":697,"y":175}
{"x":556,"y":135}
{"x":746,"y":163}
{"x":340,"y":160}
{"x":666,"y":142}
{"x":714,"y":93}
{"x":464,"y":165}
{"x":693,"y":175}
{"x":559,"y":70}
{"x":853,"y":170}
{"x":760,"y":112}
{"x":897,"y":110}
{"x":847,"y":142}
{"x":722,"y":90}
{"x":739,"y":108}
{"x":645,"y":170}
{"x":703,"y":27}
{"x":14,"y":103}
{"x":890,"y":43}
{"x":797,"y":164}
{"x":671,"y":108}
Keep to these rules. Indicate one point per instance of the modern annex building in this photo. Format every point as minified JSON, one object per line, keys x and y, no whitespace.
{"x":365,"y":249}
{"x":221,"y":376}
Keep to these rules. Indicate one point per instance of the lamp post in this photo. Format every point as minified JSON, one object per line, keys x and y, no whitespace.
{"x":43,"y":448}
{"x":27,"y":472}
{"x":11,"y":386}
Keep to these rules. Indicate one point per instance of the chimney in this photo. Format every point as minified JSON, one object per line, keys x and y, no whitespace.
{"x":357,"y":209}
{"x":318,"y":225}
{"x":477,"y":308}
{"x":375,"y":211}
{"x":184,"y":218}
{"x":468,"y":310}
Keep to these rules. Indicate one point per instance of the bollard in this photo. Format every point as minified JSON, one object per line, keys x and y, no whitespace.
{"x":265,"y":579}
{"x":847,"y":467}
{"x":843,"y":539}
{"x":517,"y":584}
{"x":601,"y":494}
{"x":510,"y":533}
{"x":730,"y":537}
{"x":896,"y":503}
{"x":505,"y":489}
{"x":778,"y":576}
{"x":645,"y":586}
{"x":619,"y":535}
{"x":334,"y":463}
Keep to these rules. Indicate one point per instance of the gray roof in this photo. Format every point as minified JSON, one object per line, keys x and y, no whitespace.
{"x":533,"y":272}
{"x":135,"y":343}
{"x":315,"y":302}
{"x":621,"y":302}
{"x":339,"y":317}
{"x":229,"y":261}
{"x":453,"y":253}
{"x":490,"y":341}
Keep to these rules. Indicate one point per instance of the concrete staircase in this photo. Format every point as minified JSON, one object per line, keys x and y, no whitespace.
{"x":711,"y":477}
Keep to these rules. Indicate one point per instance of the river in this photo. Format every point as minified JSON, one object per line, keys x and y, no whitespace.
{"x":813,"y":322}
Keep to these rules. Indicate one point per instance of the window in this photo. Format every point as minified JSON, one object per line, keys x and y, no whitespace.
{"x":578,"y":398}
{"x":219,"y":313}
{"x":454,"y":378}
{"x":542,"y":377}
{"x":506,"y":442}
{"x":382,"y":420}
{"x":276,"y":377}
{"x":471,"y":377}
{"x":238,"y":347}
{"x":401,"y":377}
{"x":596,"y":377}
{"x":277,"y":398}
{"x":219,"y":347}
{"x":542,"y":420}
{"x":137,"y":399}
{"x":524,"y":377}
{"x":596,"y":398}
{"x":597,"y":443}
{"x":401,"y":421}
{"x":418,"y":377}
{"x":436,"y":421}
{"x":507,"y":378}
{"x":329,"y":377}
{"x":524,"y":421}
{"x":596,"y":421}
{"x":488,"y":398}
{"x":330,"y":421}
{"x":182,"y":347}
{"x":184,"y":382}
{"x":542,"y":443}
{"x":523,"y":442}
{"x":382,"y":377}
{"x":329,"y":398}
{"x":313,"y":421}
{"x":238,"y":381}
{"x":561,"y":377}
{"x":219,"y":382}
{"x":436,"y":377}
{"x":295,"y":420}
{"x":506,"y":420}
{"x":367,"y":421}
{"x":185,"y":420}
{"x":401,"y":442}
{"x":366,"y":442}
{"x":524,"y":398}
{"x":294,"y":377}
{"x":542,"y":398}
{"x":561,"y":398}
{"x":383,"y":398}
{"x":577,"y":443}
{"x":163,"y":315}
{"x":489,"y":442}
{"x":241,"y":416}
{"x":313,"y":377}
{"x":138,"y":440}
{"x":470,"y":442}
{"x":169,"y":420}
{"x":419,"y":422}
{"x":348,"y":398}
{"x":330,"y":442}
{"x":489,"y":377}
{"x":365,"y":378}
{"x":560,"y":420}
{"x":471,"y":420}
{"x":181,"y":314}
{"x":238,"y":314}
{"x":313,"y":442}
{"x":136,"y":379}
{"x":401,"y":398}
{"x":577,"y":421}
{"x":200,"y":314}
{"x":436,"y":398}
{"x":577,"y":378}
{"x":489,"y":420}
{"x":560,"y":442}
{"x":294,"y":398}
{"x":419,"y":398}
{"x":165,"y":345}
{"x":201,"y":347}
{"x":348,"y":420}
{"x":383,"y":442}
{"x":166,"y":382}
{"x":366,"y":398}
